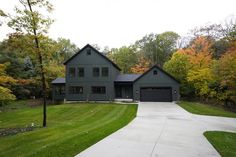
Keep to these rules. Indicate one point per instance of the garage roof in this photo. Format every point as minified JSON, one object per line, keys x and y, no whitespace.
{"x":156,"y":66}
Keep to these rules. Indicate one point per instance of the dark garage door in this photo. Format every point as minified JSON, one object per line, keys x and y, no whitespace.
{"x":163,"y":94}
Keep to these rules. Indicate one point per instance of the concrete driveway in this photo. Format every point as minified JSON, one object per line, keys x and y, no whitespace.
{"x":162,"y":130}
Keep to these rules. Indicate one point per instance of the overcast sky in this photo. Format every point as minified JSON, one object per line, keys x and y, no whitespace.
{"x":115,"y":23}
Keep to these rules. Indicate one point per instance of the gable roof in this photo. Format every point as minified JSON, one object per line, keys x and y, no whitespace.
{"x":155,"y":66}
{"x":59,"y":80}
{"x":127,"y":77}
{"x":95,"y":50}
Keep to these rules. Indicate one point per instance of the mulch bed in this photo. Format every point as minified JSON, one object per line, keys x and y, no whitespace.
{"x":14,"y":131}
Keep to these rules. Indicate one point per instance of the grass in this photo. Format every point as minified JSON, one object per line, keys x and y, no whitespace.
{"x":203,"y":109}
{"x":223,"y":142}
{"x":71,"y":128}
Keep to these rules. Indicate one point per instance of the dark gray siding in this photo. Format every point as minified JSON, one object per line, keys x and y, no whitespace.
{"x":124,"y":90}
{"x":159,"y":80}
{"x":88,"y":62}
{"x":56,"y":96}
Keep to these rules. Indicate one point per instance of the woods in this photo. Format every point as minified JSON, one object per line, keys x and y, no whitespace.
{"x":205,"y":63}
{"x":202,"y":67}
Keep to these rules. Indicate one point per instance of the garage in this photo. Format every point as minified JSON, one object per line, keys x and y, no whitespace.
{"x":156,"y":94}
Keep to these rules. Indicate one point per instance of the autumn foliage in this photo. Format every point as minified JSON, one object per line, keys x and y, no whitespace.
{"x":199,"y":52}
{"x":227,"y":72}
{"x":201,"y":73}
{"x":142,"y":66}
{"x":5,"y":82}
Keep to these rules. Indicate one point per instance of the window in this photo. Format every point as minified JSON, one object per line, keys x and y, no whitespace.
{"x":80,"y":72}
{"x":88,"y":51}
{"x":71,"y":72}
{"x":155,"y":72}
{"x":98,"y":90}
{"x":96,"y":72}
{"x":75,"y":90}
{"x":60,"y":90}
{"x":105,"y":71}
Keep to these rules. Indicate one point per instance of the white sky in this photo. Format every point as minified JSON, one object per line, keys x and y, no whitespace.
{"x":115,"y":23}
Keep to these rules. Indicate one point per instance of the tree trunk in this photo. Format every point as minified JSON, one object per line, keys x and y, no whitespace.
{"x":40,"y":57}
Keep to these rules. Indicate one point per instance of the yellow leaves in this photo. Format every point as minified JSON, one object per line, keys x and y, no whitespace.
{"x":4,"y":79}
{"x":7,"y":80}
{"x":6,"y":94}
{"x":193,"y":66}
{"x":178,"y":65}
{"x":227,"y":67}
{"x":201,"y":79}
{"x":54,"y":70}
{"x":3,"y":69}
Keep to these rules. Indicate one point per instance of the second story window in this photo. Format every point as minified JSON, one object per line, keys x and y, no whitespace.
{"x":88,"y":51}
{"x":80,"y":72}
{"x":71,"y":72}
{"x":105,"y":71}
{"x":155,"y":72}
{"x":96,"y":72}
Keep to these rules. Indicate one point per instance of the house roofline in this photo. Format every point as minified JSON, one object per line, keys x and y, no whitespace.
{"x":156,"y":66}
{"x":105,"y":57}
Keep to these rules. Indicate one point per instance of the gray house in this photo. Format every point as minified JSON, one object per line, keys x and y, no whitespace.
{"x":91,"y":76}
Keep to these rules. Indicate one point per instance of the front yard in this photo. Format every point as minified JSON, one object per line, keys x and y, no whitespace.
{"x":224,"y":142}
{"x":71,"y":128}
{"x":203,"y":109}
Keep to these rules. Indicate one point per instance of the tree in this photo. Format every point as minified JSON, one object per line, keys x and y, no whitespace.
{"x":193,"y":67}
{"x":5,"y":81}
{"x":2,"y":14}
{"x":226,"y":72}
{"x":157,"y":48}
{"x":124,"y":57}
{"x":225,"y":30}
{"x":201,"y":79}
{"x":18,"y":49}
{"x":220,"y":35}
{"x":65,"y":50}
{"x":179,"y":66}
{"x":199,"y":52}
{"x":35,"y":25}
{"x":140,"y":67}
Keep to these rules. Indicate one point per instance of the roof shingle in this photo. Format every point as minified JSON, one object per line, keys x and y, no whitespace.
{"x":127,"y":77}
{"x":59,"y":80}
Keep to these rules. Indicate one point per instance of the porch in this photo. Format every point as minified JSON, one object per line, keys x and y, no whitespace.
{"x":124,"y":91}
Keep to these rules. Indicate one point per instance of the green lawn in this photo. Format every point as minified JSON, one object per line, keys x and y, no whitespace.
{"x":71,"y":128}
{"x":202,"y":109}
{"x":224,"y":142}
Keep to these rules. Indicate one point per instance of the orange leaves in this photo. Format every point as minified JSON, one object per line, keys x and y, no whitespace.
{"x":193,"y":66}
{"x":199,"y":53}
{"x":25,"y":81}
{"x":141,"y":66}
{"x":201,"y":44}
{"x":227,"y":66}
